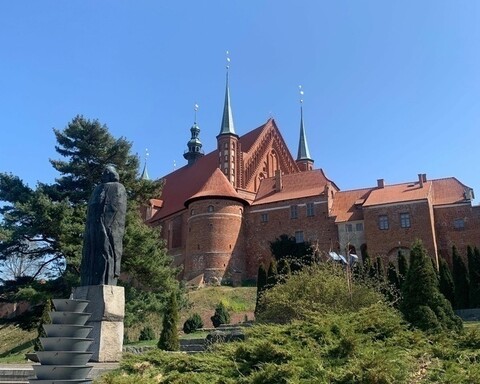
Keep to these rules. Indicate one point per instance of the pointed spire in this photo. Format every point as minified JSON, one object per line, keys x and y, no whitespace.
{"x":227,"y":119}
{"x":194,"y":145}
{"x":144,"y":175}
{"x":303,"y":152}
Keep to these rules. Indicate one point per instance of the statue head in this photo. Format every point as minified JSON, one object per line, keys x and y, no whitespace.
{"x":110,"y":174}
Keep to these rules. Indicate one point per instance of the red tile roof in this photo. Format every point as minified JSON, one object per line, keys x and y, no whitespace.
{"x":347,"y":205}
{"x":398,"y":193}
{"x":182,"y":184}
{"x":295,"y":186}
{"x":441,"y":191}
{"x":217,"y":185}
{"x":449,"y":191}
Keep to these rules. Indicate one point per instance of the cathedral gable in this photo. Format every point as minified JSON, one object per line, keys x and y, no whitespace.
{"x":266,"y":155}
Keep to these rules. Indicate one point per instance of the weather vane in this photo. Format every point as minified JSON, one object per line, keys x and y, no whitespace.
{"x":300,"y":90}
{"x":195,"y":108}
{"x":228,"y":60}
{"x":146,"y":154}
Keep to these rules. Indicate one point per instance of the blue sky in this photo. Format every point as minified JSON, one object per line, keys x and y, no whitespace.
{"x":392,"y":89}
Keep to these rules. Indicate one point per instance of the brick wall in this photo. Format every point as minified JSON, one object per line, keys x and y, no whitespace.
{"x":215,"y":240}
{"x":385,"y":242}
{"x":318,"y":229}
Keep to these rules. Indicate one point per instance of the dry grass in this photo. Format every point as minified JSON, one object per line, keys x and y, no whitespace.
{"x":240,"y":302}
{"x":15,"y":342}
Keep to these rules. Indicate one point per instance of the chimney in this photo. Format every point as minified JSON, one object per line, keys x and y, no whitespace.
{"x":420,"y":180}
{"x":278,"y":180}
{"x":380,"y":183}
{"x":424,"y":177}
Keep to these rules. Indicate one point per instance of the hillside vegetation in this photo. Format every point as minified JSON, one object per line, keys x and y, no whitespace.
{"x":320,"y":329}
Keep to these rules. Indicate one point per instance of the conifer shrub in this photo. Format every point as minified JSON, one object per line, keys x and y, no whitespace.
{"x":460,"y":280}
{"x":447,"y":287}
{"x":221,"y":315}
{"x":147,"y":333}
{"x":193,"y":323}
{"x":422,"y":303}
{"x":169,"y":336}
{"x":474,"y":276}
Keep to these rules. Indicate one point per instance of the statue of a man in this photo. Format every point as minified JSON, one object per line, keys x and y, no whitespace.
{"x":104,"y":229}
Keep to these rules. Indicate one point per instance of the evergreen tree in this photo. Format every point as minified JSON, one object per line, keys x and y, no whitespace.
{"x":272,"y":274}
{"x":446,"y":285}
{"x":402,"y":267}
{"x":261,"y":285}
{"x":379,"y":270}
{"x":169,"y":336}
{"x":460,"y":280}
{"x":47,"y":223}
{"x":298,"y":254}
{"x":392,"y":276}
{"x":221,"y":315}
{"x":422,"y":303}
{"x":474,"y":275}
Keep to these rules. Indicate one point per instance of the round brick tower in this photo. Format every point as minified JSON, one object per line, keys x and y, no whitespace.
{"x":215,"y":245}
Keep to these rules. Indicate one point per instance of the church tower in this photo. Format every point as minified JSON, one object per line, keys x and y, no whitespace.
{"x":227,"y":141}
{"x":304,"y":161}
{"x":194,"y":145}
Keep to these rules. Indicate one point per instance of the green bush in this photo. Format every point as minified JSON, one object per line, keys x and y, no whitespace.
{"x":193,"y":323}
{"x":315,"y":289}
{"x":221,"y":315}
{"x":147,"y":333}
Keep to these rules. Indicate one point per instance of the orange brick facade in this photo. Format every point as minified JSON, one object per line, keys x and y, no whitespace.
{"x":219,"y":213}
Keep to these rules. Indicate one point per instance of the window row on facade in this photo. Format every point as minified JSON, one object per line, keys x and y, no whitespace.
{"x":293,"y":212}
{"x":384,"y":224}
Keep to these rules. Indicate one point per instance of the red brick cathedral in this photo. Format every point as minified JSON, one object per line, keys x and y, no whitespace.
{"x":219,"y":212}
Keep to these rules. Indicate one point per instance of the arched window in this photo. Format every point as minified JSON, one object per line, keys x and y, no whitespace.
{"x":210,"y":208}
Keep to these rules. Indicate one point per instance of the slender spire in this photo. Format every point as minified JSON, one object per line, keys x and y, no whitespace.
{"x":303,"y":152}
{"x":227,"y":119}
{"x":194,"y":145}
{"x":144,"y":175}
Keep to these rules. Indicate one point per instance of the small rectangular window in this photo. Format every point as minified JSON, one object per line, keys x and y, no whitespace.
{"x":359,"y":227}
{"x":294,"y":212}
{"x":264,"y":217}
{"x":383,"y":222}
{"x":459,"y":224}
{"x":348,"y":228}
{"x":299,"y":237}
{"x":310,"y":209}
{"x":405,"y":220}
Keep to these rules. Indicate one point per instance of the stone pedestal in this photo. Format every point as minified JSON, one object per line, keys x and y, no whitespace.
{"x":107,"y":306}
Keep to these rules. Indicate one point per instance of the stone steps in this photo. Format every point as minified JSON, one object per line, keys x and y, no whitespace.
{"x":20,"y":373}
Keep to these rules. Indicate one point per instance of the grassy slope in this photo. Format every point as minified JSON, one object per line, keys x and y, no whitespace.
{"x":15,"y":342}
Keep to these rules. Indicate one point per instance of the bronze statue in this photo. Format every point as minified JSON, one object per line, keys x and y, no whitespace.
{"x":104,"y":229}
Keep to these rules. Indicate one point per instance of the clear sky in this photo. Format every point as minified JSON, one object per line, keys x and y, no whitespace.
{"x":392,"y":88}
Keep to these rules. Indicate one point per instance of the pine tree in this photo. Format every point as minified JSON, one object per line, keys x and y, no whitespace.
{"x":47,"y":223}
{"x":422,"y":303}
{"x":474,"y":275}
{"x":460,"y":280}
{"x":447,"y":287}
{"x":169,"y":336}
